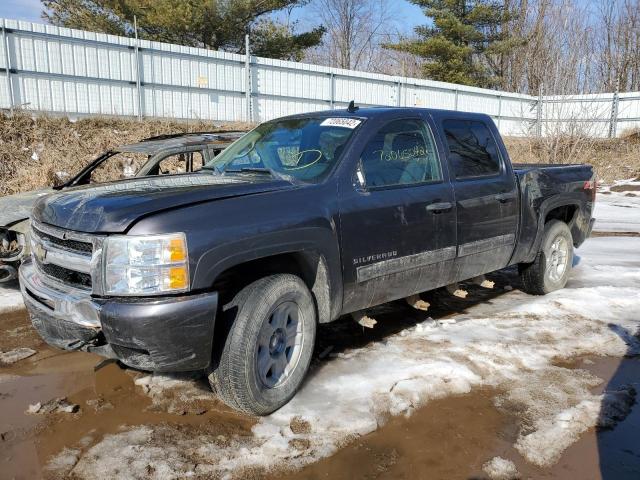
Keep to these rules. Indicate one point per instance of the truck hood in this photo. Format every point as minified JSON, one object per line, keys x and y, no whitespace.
{"x":16,"y":208}
{"x":113,"y":207}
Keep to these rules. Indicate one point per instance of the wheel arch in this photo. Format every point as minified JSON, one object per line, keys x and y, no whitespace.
{"x":314,"y":257}
{"x":565,"y":210}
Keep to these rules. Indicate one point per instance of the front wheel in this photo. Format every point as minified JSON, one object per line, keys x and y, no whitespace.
{"x":550,"y":270}
{"x":268,"y":350}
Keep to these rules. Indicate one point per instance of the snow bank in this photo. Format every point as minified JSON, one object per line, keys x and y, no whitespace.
{"x":511,"y":342}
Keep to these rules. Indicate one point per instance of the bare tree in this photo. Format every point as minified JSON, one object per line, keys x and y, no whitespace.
{"x":355,"y":31}
{"x":618,"y":60}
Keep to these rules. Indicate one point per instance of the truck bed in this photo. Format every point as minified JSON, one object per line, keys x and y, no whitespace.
{"x":541,"y":187}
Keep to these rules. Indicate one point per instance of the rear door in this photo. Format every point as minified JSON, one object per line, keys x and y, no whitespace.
{"x":397,"y":216}
{"x":486,"y":195}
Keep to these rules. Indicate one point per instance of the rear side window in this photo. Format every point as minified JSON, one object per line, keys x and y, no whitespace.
{"x":472,"y":149}
{"x":401,"y":153}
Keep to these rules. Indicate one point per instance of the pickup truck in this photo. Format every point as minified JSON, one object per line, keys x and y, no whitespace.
{"x":160,"y":155}
{"x":304,"y":219}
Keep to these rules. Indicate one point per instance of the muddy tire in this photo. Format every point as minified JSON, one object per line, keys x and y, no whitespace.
{"x":267,"y":351}
{"x":550,"y":270}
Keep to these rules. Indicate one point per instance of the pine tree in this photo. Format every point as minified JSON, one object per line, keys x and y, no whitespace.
{"x":216,"y":24}
{"x":463,"y":40}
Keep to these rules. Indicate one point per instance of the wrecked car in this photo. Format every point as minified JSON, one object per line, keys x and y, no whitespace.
{"x":229,"y":270}
{"x":160,"y":155}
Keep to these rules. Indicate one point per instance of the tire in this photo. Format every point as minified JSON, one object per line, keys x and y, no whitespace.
{"x":268,"y":349}
{"x":552,"y":266}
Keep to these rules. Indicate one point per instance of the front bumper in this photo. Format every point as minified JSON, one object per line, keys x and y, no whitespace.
{"x":166,"y":334}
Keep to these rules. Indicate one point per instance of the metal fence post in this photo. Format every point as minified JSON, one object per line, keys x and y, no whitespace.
{"x":398,"y":93}
{"x":247,"y":67}
{"x":539,"y":107}
{"x":7,"y":64}
{"x":499,"y":110}
{"x":332,"y":79}
{"x":614,"y":111}
{"x":456,"y":99}
{"x":138,"y":79}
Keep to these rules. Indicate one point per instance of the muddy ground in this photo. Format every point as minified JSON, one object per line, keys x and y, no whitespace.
{"x":448,"y":438}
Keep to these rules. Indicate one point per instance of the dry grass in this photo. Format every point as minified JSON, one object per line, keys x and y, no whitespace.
{"x":32,"y":149}
{"x":612,"y":159}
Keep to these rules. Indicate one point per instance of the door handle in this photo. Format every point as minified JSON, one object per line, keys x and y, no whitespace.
{"x":439,"y":207}
{"x":504,"y":197}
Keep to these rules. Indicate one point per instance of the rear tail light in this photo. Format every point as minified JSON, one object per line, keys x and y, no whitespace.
{"x":590,"y":186}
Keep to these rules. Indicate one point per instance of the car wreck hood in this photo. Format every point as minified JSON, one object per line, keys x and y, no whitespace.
{"x":114,"y":207}
{"x":16,"y":208}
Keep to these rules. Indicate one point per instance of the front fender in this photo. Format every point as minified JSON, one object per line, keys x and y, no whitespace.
{"x":318,"y":246}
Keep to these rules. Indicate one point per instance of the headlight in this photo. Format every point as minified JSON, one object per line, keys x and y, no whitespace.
{"x":146,"y":264}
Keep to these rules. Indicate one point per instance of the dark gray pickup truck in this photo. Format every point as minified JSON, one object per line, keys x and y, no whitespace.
{"x":304,"y":219}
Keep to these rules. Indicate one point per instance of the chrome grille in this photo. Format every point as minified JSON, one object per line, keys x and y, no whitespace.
{"x":71,"y":245}
{"x":70,"y":277}
{"x":64,"y":256}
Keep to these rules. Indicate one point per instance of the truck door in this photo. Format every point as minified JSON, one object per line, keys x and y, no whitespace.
{"x":486,"y":196}
{"x":397,"y":217}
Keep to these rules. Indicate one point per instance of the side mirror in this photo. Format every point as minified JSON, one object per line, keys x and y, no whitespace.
{"x":359,"y":182}
{"x":60,"y":178}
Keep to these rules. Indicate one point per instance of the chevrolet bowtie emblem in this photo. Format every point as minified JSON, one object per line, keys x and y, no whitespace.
{"x":40,"y":252}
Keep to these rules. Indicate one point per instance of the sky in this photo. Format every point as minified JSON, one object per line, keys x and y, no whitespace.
{"x":408,"y":14}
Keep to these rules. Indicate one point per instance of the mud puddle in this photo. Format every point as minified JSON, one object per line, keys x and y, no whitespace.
{"x":107,"y":400}
{"x":454,"y":437}
{"x":448,"y":439}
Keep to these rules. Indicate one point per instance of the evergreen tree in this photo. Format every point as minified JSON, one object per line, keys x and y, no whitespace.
{"x":462,"y":43}
{"x":216,"y":24}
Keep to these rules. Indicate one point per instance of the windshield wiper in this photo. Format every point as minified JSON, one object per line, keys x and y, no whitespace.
{"x":263,"y":170}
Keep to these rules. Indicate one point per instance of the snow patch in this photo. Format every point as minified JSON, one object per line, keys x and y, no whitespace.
{"x":499,"y":468}
{"x":177,"y":393}
{"x":10,"y":299}
{"x":15,"y":355}
{"x":62,"y":464}
{"x":553,"y":435}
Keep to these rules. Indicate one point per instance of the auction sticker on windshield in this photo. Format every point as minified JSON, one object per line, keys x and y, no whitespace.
{"x":341,"y":122}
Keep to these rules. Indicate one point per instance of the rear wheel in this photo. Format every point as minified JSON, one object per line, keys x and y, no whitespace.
{"x":269,"y":345}
{"x":550,"y":270}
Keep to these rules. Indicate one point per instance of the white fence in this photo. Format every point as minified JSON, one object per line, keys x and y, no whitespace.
{"x":78,"y":73}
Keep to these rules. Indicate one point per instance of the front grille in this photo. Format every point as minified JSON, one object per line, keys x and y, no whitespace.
{"x":70,"y":277}
{"x":73,"y":245}
{"x":64,"y":255}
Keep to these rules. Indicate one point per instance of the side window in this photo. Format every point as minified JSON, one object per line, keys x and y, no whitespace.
{"x":179,"y":163}
{"x":403,"y":152}
{"x":197,"y":161}
{"x":119,"y":166}
{"x":472,"y":149}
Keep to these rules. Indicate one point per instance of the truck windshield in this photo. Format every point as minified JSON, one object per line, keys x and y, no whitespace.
{"x":305,"y":148}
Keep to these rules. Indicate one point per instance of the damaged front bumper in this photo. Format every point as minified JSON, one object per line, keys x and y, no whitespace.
{"x":166,"y":334}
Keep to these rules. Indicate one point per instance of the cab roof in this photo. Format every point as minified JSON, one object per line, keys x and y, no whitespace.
{"x":371,"y":112}
{"x":153,"y":145}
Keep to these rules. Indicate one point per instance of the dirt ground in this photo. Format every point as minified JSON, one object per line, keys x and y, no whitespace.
{"x":448,"y":438}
